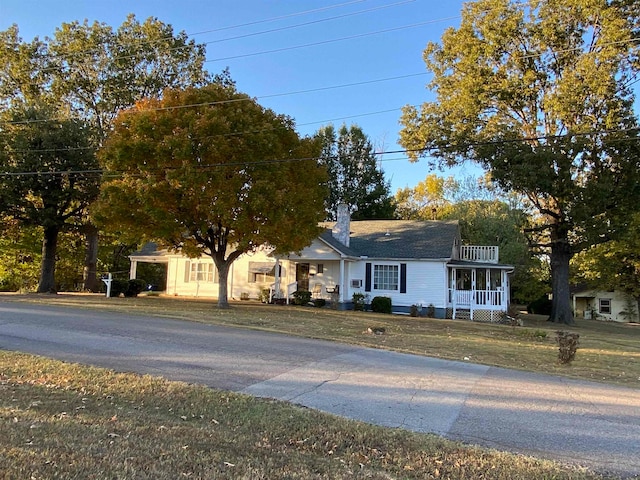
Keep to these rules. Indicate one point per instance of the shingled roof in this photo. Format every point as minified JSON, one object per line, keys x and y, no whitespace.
{"x":398,"y":239}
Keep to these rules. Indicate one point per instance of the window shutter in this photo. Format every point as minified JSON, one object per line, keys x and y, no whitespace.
{"x":187,"y":271}
{"x":403,"y":278}
{"x":367,"y":277}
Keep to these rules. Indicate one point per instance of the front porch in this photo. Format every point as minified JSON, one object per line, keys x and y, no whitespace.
{"x":324,"y":278}
{"x":478,"y":293}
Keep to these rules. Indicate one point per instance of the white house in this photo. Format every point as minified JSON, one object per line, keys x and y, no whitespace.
{"x":415,"y":263}
{"x":604,"y":305}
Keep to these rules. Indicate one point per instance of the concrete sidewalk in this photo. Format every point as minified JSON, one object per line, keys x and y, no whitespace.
{"x":549,"y":417}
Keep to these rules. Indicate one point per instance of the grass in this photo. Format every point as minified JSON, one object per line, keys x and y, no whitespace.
{"x":608,"y":352}
{"x":67,"y":421}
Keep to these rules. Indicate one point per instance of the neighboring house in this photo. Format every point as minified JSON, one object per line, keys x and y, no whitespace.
{"x":597,"y":304}
{"x":415,"y":263}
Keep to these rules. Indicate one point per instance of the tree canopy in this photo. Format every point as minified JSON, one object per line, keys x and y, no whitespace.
{"x":354,"y":179}
{"x":210,"y":171}
{"x":49,"y":176}
{"x":539,"y":93}
{"x":93,"y":71}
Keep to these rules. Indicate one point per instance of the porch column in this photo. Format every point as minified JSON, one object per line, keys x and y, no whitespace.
{"x":341,"y":296}
{"x":276,"y":282}
{"x":133,"y":269}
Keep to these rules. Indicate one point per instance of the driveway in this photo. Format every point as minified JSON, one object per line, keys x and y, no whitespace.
{"x":577,"y":422}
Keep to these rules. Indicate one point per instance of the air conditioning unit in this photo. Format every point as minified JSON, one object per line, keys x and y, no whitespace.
{"x":356,"y":283}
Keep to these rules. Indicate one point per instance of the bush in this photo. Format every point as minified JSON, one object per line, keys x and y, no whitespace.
{"x":415,"y":311}
{"x":118,"y":287}
{"x":319,"y":302}
{"x":264,"y":294}
{"x":134,"y":287}
{"x":541,"y":306}
{"x":358,"y":301}
{"x":128,"y":288}
{"x":301,"y":297}
{"x":381,"y":304}
{"x":568,"y":343}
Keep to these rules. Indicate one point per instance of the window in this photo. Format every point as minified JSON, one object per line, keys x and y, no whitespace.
{"x":604,"y":305}
{"x":262,"y":272}
{"x":201,"y":272}
{"x":385,"y":277}
{"x":321,"y":268}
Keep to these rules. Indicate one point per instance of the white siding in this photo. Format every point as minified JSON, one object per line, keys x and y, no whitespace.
{"x":179,"y":283}
{"x":426,"y":283}
{"x":590,"y":302}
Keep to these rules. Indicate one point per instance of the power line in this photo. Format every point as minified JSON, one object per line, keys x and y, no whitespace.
{"x":223,"y":102}
{"x":324,"y":42}
{"x":169,"y":37}
{"x":305,"y":159}
{"x":304,"y":24}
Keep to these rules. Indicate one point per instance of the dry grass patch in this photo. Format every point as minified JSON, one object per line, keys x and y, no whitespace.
{"x":60,"y":420}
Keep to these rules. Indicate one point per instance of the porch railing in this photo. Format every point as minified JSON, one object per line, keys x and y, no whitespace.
{"x":479,"y":253}
{"x":476,"y":298}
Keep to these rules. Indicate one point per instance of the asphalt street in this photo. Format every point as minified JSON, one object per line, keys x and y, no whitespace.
{"x":576,"y":422}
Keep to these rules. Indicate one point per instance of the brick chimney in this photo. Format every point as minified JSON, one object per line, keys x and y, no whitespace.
{"x":340,"y":230}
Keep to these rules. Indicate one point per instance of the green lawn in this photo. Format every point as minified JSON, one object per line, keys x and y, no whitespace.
{"x":69,"y":421}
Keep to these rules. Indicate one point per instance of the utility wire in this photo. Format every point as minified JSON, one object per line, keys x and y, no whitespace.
{"x":334,"y":40}
{"x":219,"y":29}
{"x":305,"y":159}
{"x":168,"y":37}
{"x":246,"y":99}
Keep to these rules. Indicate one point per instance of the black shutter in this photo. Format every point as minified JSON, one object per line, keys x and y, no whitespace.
{"x":403,"y":278}
{"x":367,"y":277}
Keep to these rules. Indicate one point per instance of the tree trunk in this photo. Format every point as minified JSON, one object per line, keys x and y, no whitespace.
{"x":90,"y":274}
{"x":223,"y":274}
{"x":561,"y":311}
{"x":47,"y":282}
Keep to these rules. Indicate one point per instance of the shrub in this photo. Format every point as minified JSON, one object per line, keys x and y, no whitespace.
{"x":431,"y":310}
{"x":358,"y":301}
{"x":134,"y":287}
{"x":118,"y":287}
{"x":541,"y":306}
{"x":319,"y":302}
{"x":568,"y":344}
{"x":301,"y":297}
{"x":264,"y":295}
{"x":415,"y":311}
{"x":381,"y":304}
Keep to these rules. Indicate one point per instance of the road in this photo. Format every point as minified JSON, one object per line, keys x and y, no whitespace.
{"x":576,"y":422}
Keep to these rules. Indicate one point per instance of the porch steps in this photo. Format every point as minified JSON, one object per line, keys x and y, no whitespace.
{"x":463,"y":314}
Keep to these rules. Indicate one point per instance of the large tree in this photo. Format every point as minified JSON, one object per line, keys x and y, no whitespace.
{"x":93,"y":71}
{"x":355,"y":178}
{"x":209,"y":171}
{"x":538,"y":92}
{"x":49,"y":176}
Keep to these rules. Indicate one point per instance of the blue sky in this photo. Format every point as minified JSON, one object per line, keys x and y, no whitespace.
{"x":371,"y":40}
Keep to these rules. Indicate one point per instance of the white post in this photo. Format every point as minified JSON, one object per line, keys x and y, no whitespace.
{"x":107,"y":282}
{"x":276,"y":281}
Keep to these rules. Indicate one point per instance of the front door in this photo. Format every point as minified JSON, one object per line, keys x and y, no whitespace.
{"x":302,"y":276}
